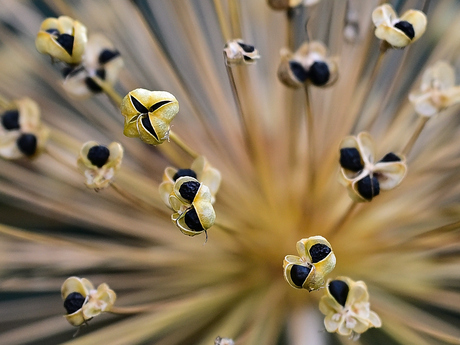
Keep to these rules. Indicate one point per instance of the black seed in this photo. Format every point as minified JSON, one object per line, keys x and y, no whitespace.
{"x":10,"y":119}
{"x":73,"y":302}
{"x":299,"y":72}
{"x":318,"y":252}
{"x":100,"y":72}
{"x":184,"y":172}
{"x":247,"y":58}
{"x":192,"y":220}
{"x":98,"y":155}
{"x":319,"y":73}
{"x":66,"y":42}
{"x":368,"y":188}
{"x":406,"y":27}
{"x":390,"y":157}
{"x":339,"y":290}
{"x":148,"y":126}
{"x":299,"y":274}
{"x":107,"y":55}
{"x":246,"y":47}
{"x":158,"y":105}
{"x":189,"y":189}
{"x":351,"y":159}
{"x":139,"y":107}
{"x":54,"y":32}
{"x":92,"y":85}
{"x":27,"y":144}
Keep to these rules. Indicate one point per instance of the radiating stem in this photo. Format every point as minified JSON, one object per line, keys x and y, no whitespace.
{"x":221,"y":17}
{"x":311,"y":140}
{"x":4,"y":103}
{"x":109,"y":91}
{"x":370,"y":83}
{"x":179,"y":142}
{"x":57,"y":157}
{"x":345,"y":217}
{"x":132,"y":310}
{"x":235,"y":18}
{"x":421,"y":124}
{"x":135,"y":200}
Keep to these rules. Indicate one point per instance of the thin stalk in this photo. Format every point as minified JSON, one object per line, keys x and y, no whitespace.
{"x":134,"y":199}
{"x":345,"y":217}
{"x":132,"y":310}
{"x":421,"y":124}
{"x":235,"y":18}
{"x":311,"y":140}
{"x":221,"y":18}
{"x":58,"y":158}
{"x":179,"y":142}
{"x":4,"y":103}
{"x":108,"y":89}
{"x":370,"y":83}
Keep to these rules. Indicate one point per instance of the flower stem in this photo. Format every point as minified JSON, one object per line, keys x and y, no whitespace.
{"x":4,"y":103}
{"x":235,"y":18}
{"x":370,"y":83}
{"x":109,"y":91}
{"x":311,"y":140}
{"x":345,"y":217}
{"x":421,"y":124}
{"x":132,"y":310}
{"x":179,"y":142}
{"x":134,"y":199}
{"x":221,"y":18}
{"x":57,"y":157}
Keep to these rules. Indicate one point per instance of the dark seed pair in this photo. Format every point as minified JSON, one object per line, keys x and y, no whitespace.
{"x":318,"y":73}
{"x":300,"y":273}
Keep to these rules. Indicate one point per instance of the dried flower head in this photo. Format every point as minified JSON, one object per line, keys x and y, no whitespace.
{"x":309,"y":64}
{"x":148,"y":115}
{"x":99,"y":163}
{"x":398,"y":32}
{"x":63,"y":39}
{"x":192,"y":202}
{"x":237,"y":52}
{"x":200,"y":169}
{"x":100,"y":60}
{"x":83,"y":302}
{"x":363,"y":177}
{"x":21,"y":133}
{"x":315,"y":262}
{"x":437,"y":90}
{"x":346,"y":306}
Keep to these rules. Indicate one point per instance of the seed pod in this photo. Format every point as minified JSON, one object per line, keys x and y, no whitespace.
{"x":62,"y":38}
{"x":148,"y":115}
{"x":237,"y":52}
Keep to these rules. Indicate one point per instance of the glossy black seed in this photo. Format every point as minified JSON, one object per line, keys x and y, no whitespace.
{"x":192,"y":220}
{"x":157,"y":105}
{"x":107,"y":55}
{"x":100,"y":72}
{"x":73,"y":302}
{"x":406,"y":27}
{"x":390,"y":157}
{"x":92,"y":85}
{"x":139,"y":107}
{"x":246,"y":47}
{"x":339,"y":290}
{"x":299,"y":274}
{"x":184,"y":172}
{"x":10,"y":119}
{"x":318,"y":252}
{"x":351,"y":159}
{"x":66,"y":42}
{"x":319,"y":73}
{"x":27,"y":144}
{"x":54,"y":32}
{"x":148,"y":126}
{"x":189,"y":189}
{"x":98,"y":155}
{"x":368,"y":188}
{"x":299,"y":72}
{"x":247,"y":58}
